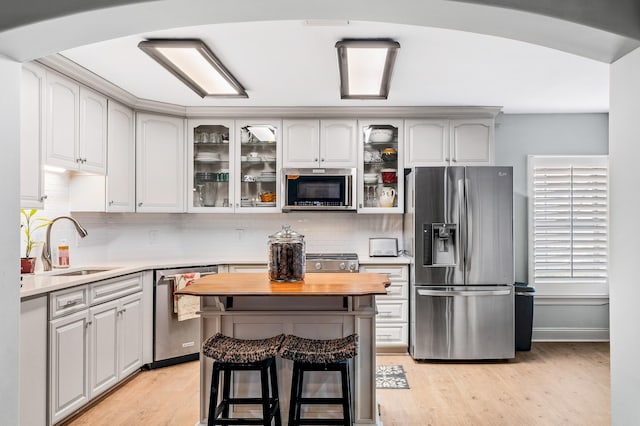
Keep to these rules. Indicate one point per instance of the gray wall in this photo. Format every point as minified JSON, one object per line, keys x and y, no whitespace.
{"x":516,"y":137}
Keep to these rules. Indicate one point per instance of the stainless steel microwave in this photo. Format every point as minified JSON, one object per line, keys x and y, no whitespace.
{"x":318,"y":189}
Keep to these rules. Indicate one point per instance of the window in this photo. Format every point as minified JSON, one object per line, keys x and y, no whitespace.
{"x":569,"y":224}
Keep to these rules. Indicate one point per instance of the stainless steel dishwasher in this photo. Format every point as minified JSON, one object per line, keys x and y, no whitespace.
{"x":174,"y":341}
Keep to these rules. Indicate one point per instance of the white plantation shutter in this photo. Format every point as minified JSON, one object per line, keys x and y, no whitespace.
{"x":569,"y":215}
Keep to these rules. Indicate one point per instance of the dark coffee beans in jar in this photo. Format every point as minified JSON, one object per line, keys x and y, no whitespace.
{"x":286,"y":261}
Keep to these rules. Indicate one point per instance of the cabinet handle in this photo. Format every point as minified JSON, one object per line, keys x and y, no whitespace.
{"x":44,"y":197}
{"x":88,"y":324}
{"x":70,"y":303}
{"x":140,"y":204}
{"x":111,"y":202}
{"x":78,"y":160}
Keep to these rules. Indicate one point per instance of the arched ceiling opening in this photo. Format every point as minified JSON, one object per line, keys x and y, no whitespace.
{"x":524,"y":68}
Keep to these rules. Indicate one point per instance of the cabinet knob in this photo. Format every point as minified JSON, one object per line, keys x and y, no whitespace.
{"x":140,"y":204}
{"x":88,"y":323}
{"x":78,"y":160}
{"x":315,"y":159}
{"x":111,"y":202}
{"x":322,"y":159}
{"x":44,"y":197}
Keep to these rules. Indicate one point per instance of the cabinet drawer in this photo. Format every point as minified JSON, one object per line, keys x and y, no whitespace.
{"x":67,"y":301}
{"x":392,"y":311}
{"x":397,"y":290}
{"x":392,"y":335}
{"x":103,"y":291}
{"x":395,"y":272}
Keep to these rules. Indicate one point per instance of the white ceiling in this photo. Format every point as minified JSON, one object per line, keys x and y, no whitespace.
{"x":290,"y":63}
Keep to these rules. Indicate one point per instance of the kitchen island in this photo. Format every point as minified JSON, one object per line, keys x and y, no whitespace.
{"x":322,"y":306}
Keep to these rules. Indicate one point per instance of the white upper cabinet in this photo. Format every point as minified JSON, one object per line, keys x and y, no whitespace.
{"x":472,"y":142}
{"x":32,"y":102}
{"x":92,"y":146}
{"x":160,"y":164}
{"x":76,"y":136}
{"x":427,"y":142}
{"x":320,"y":143}
{"x":437,"y":142}
{"x":120,"y":186}
{"x":338,"y":143}
{"x":63,"y":115}
{"x":301,"y":143}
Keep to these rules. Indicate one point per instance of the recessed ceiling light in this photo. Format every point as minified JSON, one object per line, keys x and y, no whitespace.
{"x":195,"y":65}
{"x":366,"y":66}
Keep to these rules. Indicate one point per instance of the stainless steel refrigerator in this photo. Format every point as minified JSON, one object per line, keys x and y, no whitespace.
{"x":459,"y":230}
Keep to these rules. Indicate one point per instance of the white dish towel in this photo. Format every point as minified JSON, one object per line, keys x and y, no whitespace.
{"x":185,"y":306}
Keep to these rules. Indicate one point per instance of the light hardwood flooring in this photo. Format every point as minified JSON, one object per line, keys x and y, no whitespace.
{"x":555,"y":383}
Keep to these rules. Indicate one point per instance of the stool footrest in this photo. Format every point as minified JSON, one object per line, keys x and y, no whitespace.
{"x":255,"y":400}
{"x":321,"y":401}
{"x":320,"y":422}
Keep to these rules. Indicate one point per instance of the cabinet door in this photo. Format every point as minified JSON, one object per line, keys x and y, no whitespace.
{"x":160,"y":168}
{"x":338,"y":143}
{"x":103,"y":365}
{"x":472,"y":142}
{"x":381,"y":167}
{"x":258,"y":157}
{"x":68,"y":358}
{"x":62,"y":112}
{"x":93,"y":132}
{"x":427,"y":142}
{"x":130,"y":335}
{"x":210,"y":166}
{"x":301,"y":143}
{"x":32,"y":101}
{"x":120,"y":159}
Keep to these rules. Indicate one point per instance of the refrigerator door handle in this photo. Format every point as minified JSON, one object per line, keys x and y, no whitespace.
{"x":468,"y":252}
{"x":434,"y":292}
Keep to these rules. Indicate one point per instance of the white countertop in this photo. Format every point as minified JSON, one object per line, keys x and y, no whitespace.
{"x":45,"y":282}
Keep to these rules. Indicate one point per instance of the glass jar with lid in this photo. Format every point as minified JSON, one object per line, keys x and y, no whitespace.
{"x":286,"y":255}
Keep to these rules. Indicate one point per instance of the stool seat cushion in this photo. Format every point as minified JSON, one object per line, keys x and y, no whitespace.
{"x":229,"y":349}
{"x":317,"y":351}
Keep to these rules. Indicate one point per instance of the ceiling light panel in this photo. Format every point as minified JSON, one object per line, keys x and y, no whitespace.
{"x":366,"y":66}
{"x":195,"y":65}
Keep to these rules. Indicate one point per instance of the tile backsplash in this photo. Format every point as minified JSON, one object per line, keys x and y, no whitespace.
{"x":117,"y":237}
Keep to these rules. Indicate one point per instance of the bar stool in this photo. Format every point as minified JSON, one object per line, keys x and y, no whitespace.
{"x":231,"y":354}
{"x":319,"y":355}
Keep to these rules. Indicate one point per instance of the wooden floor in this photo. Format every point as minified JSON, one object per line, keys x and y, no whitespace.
{"x":555,"y":383}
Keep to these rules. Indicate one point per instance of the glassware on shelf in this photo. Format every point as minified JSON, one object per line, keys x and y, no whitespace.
{"x":197,"y":195}
{"x":371,"y":195}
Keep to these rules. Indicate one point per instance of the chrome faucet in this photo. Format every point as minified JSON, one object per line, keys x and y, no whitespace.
{"x":46,"y":247}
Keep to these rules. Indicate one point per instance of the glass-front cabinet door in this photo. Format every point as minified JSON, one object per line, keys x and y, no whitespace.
{"x":258,"y":159}
{"x":381,"y":171}
{"x":210,"y":166}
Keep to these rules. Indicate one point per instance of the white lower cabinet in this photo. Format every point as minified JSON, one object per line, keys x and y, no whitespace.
{"x":116,"y":341}
{"x":93,"y":349}
{"x":69,"y":359}
{"x":392,"y":318}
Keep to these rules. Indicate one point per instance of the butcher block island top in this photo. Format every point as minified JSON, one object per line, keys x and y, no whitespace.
{"x":314,"y":284}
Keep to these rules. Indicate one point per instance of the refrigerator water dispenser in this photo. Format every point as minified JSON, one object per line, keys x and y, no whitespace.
{"x":443,"y":244}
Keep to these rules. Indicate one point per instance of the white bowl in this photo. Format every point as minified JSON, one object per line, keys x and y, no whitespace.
{"x":381,"y":135}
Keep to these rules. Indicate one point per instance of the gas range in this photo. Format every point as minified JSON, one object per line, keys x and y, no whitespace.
{"x":332,"y":262}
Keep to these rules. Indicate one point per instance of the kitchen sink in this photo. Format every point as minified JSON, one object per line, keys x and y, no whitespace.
{"x":81,"y":272}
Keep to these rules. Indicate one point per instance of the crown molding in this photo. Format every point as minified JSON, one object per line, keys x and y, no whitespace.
{"x":70,"y":69}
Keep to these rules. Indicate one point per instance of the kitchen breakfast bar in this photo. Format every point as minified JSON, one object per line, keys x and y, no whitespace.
{"x":322,"y":306}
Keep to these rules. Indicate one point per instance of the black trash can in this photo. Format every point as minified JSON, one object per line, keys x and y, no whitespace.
{"x":524,"y":316}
